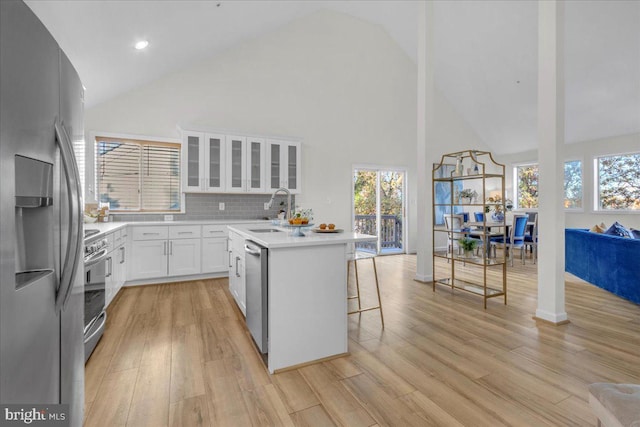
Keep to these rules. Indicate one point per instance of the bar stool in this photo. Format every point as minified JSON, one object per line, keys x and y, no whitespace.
{"x":359,"y":256}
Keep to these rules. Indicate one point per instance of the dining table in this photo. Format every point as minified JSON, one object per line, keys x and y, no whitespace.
{"x":493,"y":229}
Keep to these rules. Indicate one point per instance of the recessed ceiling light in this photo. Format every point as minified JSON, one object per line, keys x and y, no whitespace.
{"x":141,"y":44}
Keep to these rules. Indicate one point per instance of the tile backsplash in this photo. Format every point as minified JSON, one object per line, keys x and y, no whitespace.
{"x":205,"y":207}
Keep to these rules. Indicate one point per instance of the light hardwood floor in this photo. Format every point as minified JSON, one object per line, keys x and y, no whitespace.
{"x":178,"y":354}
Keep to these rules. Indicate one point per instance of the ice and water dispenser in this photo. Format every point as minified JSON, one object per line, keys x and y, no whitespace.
{"x":34,"y":220}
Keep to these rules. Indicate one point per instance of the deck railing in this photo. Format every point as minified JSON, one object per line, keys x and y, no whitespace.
{"x":390,"y":230}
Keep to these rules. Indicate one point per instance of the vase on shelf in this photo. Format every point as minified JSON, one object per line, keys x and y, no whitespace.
{"x":459,"y":168}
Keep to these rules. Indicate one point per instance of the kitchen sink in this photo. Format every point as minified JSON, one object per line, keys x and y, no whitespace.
{"x":265,"y":230}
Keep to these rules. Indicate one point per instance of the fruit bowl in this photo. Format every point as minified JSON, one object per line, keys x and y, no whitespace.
{"x":296,"y":229}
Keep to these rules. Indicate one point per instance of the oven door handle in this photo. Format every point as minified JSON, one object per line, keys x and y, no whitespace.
{"x":102,"y":315}
{"x":94,"y":259}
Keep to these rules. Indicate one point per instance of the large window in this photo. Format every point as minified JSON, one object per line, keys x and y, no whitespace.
{"x":138,"y":176}
{"x":618,"y":182}
{"x":573,"y":184}
{"x":526,"y":184}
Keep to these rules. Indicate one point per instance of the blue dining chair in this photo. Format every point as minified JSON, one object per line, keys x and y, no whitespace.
{"x":515,"y":240}
{"x":531,"y":238}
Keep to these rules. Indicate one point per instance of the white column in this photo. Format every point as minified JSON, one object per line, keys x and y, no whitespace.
{"x":426,"y":143}
{"x":551,"y":161}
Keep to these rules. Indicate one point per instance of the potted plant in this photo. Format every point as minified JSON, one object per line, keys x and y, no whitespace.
{"x":468,"y":195}
{"x":468,"y":245}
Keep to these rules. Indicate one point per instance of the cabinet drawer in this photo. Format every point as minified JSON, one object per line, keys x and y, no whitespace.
{"x":117,"y":238}
{"x":150,"y":233}
{"x":214,"y":231}
{"x":184,"y":232}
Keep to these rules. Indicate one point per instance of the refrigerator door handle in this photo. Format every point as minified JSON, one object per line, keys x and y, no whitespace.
{"x":74,"y":234}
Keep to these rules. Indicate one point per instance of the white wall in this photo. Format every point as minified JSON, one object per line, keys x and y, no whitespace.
{"x":586,"y":152}
{"x":340,"y":84}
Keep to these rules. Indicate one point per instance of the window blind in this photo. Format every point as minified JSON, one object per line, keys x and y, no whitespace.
{"x":138,"y":176}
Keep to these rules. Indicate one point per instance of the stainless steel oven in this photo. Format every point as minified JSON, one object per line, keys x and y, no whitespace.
{"x":95,"y":315}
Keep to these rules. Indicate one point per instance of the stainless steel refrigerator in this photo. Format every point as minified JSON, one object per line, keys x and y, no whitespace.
{"x":41,"y":266}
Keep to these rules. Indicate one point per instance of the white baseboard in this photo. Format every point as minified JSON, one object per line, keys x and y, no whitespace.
{"x":425,"y":278}
{"x":159,"y":280}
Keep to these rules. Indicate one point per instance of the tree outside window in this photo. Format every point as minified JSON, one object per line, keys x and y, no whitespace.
{"x":573,"y":184}
{"x":618,"y":182}
{"x":528,"y":179}
{"x":527,"y":192}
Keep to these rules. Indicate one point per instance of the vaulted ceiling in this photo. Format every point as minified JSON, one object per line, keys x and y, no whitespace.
{"x":486,"y":53}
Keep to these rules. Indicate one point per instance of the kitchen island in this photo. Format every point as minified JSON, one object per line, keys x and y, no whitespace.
{"x":307,"y":293}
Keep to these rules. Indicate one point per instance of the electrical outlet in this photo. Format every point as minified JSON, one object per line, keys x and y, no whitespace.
{"x":221,"y":206}
{"x":168,"y":217}
{"x":266,"y":206}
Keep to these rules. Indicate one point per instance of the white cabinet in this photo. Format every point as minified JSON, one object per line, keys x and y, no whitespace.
{"x":184,"y":257}
{"x":236,"y":178}
{"x":192,"y":161}
{"x":246,"y":164}
{"x":237,"y":280}
{"x":218,"y":163}
{"x":161,"y":251}
{"x":256,"y":165}
{"x":115,"y":273}
{"x":148,"y":259}
{"x":204,"y":162}
{"x":283,"y":165}
{"x":122,"y":260}
{"x":110,"y":278}
{"x":214,"y":249}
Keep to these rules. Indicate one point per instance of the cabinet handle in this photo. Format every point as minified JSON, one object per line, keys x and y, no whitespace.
{"x":230,"y":255}
{"x":170,"y":248}
{"x":150,"y":234}
{"x":237,"y":259}
{"x":110,"y":264}
{"x":122,"y":260}
{"x":164,"y":248}
{"x":216,"y":231}
{"x":185,"y":232}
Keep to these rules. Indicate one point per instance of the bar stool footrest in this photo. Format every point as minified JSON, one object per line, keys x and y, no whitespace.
{"x":364,"y":309}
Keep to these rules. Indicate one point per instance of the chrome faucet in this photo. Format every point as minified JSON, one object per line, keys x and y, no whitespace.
{"x":288,"y":193}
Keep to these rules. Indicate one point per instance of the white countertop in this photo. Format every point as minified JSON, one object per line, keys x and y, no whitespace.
{"x":285,"y":239}
{"x":108,"y":227}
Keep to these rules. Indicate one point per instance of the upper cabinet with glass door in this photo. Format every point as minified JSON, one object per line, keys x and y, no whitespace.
{"x":219,"y":163}
{"x":192,"y":161}
{"x":256,"y":165}
{"x":283,"y":165}
{"x":246,"y":158}
{"x":236,"y":164}
{"x":203,"y":157}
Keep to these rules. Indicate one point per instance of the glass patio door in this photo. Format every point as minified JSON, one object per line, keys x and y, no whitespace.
{"x":378,"y":209}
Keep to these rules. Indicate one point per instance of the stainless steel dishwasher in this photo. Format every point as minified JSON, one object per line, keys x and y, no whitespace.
{"x":257,"y":283}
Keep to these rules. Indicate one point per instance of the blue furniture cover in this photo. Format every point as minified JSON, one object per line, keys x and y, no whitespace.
{"x":609,"y":262}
